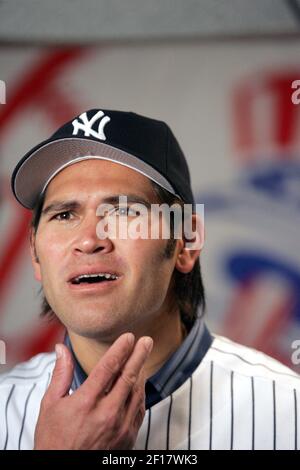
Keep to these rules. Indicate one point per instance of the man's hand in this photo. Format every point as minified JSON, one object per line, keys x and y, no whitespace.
{"x":106,"y":411}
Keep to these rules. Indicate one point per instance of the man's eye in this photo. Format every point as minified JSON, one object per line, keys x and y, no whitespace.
{"x":62,"y":216}
{"x":125,"y":211}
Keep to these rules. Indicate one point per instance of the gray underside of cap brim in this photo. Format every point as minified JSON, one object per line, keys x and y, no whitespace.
{"x":35,"y":174}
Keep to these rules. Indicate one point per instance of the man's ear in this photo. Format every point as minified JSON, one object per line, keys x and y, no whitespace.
{"x":34,"y":258}
{"x":190,"y":246}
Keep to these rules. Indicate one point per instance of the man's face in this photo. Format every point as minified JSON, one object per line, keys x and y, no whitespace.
{"x":66,"y":245}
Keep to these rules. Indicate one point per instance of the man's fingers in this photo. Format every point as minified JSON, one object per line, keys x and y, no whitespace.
{"x":62,"y":374}
{"x":131,"y":371}
{"x":109,"y":366}
{"x":137,"y":404}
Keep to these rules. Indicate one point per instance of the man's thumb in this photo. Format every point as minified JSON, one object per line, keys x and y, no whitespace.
{"x":62,"y":374}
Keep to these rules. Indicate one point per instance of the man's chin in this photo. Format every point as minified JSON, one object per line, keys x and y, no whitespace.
{"x":105,"y":330}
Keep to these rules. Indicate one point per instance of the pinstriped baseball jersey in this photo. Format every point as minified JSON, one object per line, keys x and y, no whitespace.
{"x":237,"y":398}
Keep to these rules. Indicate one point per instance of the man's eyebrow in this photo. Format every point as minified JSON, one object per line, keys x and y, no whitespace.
{"x":60,"y":206}
{"x":131,"y":198}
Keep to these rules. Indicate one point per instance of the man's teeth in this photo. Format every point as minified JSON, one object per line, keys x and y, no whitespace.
{"x":94,"y":277}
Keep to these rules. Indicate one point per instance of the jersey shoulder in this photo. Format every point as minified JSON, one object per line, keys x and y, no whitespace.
{"x":251,"y":362}
{"x":37,"y":369}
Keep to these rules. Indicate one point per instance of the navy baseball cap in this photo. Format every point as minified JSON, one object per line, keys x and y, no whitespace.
{"x":143,"y":144}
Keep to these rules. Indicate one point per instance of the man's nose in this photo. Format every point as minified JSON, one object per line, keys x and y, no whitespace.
{"x":87,"y":241}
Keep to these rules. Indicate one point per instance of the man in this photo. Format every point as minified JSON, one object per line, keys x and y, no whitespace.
{"x":138,"y":367}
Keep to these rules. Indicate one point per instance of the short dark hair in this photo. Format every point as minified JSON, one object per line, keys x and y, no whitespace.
{"x":188,"y":288}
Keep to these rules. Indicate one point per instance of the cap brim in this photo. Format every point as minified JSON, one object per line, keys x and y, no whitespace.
{"x":38,"y":168}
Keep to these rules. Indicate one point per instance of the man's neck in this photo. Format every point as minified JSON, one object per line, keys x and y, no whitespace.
{"x":167,"y":337}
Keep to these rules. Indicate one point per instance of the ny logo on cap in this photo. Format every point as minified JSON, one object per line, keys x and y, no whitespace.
{"x":87,"y":125}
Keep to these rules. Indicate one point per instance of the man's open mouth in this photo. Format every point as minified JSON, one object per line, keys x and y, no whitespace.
{"x":94,"y":278}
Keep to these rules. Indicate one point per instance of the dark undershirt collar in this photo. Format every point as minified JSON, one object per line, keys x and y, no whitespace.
{"x":175,"y":371}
